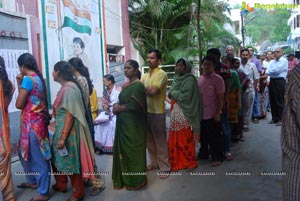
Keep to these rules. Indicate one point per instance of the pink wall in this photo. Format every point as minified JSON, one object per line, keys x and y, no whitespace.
{"x":31,"y":8}
{"x":125,"y":30}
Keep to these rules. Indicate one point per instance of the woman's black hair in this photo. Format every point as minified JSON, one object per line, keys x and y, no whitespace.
{"x":110,"y":77}
{"x":78,"y":65}
{"x":136,"y":66}
{"x":133,"y":63}
{"x":234,"y":60}
{"x":7,"y":86}
{"x":212,"y":58}
{"x":29,"y":62}
{"x":66,"y":72}
{"x":139,"y":74}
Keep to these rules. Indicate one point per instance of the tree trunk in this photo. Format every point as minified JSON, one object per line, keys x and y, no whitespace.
{"x":199,"y":32}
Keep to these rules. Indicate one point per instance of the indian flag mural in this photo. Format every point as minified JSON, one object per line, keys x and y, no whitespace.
{"x":79,"y":20}
{"x":73,"y":28}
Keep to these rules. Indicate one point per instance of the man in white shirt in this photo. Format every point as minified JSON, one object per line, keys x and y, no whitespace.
{"x":250,"y":70}
{"x":277,"y":71}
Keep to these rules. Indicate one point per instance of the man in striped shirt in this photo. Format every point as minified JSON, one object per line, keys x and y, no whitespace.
{"x":155,"y":82}
{"x":290,"y":138}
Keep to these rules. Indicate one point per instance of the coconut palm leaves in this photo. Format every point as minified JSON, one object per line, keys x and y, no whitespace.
{"x":171,"y":26}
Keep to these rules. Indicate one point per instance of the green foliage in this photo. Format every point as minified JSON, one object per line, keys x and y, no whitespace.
{"x":288,"y":51}
{"x":267,"y":25}
{"x":170,"y":26}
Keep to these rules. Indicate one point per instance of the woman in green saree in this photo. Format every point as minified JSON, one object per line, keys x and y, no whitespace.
{"x":129,"y":152}
{"x":71,"y":132}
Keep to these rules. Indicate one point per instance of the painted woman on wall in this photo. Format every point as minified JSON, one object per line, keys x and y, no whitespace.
{"x":78,"y":51}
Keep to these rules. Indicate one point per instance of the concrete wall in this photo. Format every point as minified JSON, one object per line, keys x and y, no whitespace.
{"x":113,"y":22}
{"x":23,"y":19}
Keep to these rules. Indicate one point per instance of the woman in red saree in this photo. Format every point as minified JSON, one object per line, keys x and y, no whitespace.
{"x":185,"y":117}
{"x":6,"y":91}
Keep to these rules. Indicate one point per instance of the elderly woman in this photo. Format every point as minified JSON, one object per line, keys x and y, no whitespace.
{"x":129,"y":155}
{"x":105,"y":131}
{"x":185,"y":117}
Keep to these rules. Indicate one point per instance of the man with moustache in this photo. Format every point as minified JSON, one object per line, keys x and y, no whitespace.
{"x":250,"y":70}
{"x":155,"y":82}
{"x":255,"y":111}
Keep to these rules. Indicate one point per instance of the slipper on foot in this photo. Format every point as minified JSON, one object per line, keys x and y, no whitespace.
{"x":97,"y":191}
{"x":164,"y":175}
{"x":27,"y":185}
{"x":40,"y":198}
{"x":54,"y":187}
{"x":151,"y":167}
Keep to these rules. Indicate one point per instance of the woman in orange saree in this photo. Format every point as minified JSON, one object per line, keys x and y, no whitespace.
{"x":6,"y":92}
{"x":185,"y":118}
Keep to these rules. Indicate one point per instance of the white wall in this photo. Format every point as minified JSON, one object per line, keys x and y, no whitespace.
{"x":113,"y":22}
{"x":9,"y":5}
{"x":136,"y":55}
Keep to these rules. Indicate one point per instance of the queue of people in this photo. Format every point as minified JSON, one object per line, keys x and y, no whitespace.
{"x":212,"y":110}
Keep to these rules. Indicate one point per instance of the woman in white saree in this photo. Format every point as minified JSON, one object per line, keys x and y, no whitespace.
{"x":105,"y":123}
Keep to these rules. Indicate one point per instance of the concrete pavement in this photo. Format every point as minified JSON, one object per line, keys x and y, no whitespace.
{"x":251,"y":176}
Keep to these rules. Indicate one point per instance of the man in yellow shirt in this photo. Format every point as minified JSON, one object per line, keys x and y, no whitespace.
{"x":155,"y":82}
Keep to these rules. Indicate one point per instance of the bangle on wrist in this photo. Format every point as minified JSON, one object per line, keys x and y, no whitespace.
{"x":61,"y":139}
{"x":64,"y":135}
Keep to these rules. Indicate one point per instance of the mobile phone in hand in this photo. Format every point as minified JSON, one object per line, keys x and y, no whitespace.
{"x":63,"y":151}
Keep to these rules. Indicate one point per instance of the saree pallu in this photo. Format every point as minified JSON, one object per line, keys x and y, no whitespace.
{"x":181,"y":142}
{"x":80,"y":159}
{"x":6,"y":182}
{"x":129,"y":152}
{"x":33,"y":118}
{"x":234,"y":102}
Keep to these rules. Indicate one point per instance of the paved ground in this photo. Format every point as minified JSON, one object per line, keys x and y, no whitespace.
{"x":254,"y":158}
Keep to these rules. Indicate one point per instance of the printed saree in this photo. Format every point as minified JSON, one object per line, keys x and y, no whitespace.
{"x":6,"y":182}
{"x":129,"y":153}
{"x":33,"y":121}
{"x":181,"y":141}
{"x":186,"y":107}
{"x":80,"y":159}
{"x":234,"y":102}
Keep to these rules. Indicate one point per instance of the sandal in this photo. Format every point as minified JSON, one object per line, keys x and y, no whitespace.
{"x":164,"y":175}
{"x":216,"y":163}
{"x":151,"y":167}
{"x":228,"y":156}
{"x":255,"y":120}
{"x":88,"y":183}
{"x":40,"y":198}
{"x":75,"y":199}
{"x":246,"y":129}
{"x":54,"y":187}
{"x":27,"y":185}
{"x":97,"y":191}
